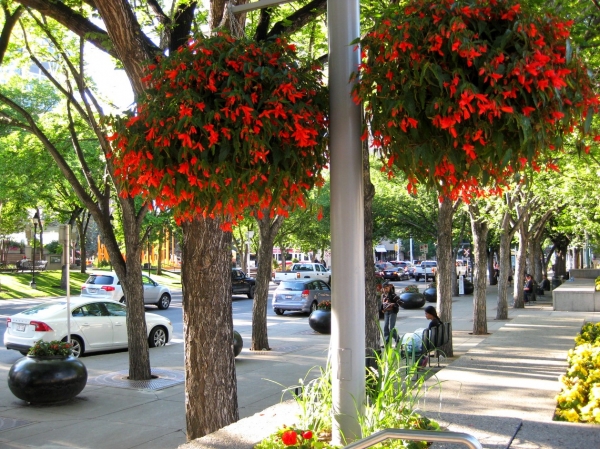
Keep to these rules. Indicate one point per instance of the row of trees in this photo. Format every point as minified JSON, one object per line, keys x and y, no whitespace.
{"x":73,"y":155}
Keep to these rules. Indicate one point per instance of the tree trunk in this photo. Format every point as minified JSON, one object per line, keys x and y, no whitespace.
{"x":372,"y":327}
{"x":129,"y":273}
{"x":268,"y":230}
{"x":210,"y":382}
{"x":446,"y":267}
{"x":505,"y":267}
{"x":519,"y":277}
{"x":479,"y":229}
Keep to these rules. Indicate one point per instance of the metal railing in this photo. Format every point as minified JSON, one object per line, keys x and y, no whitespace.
{"x":417,"y":435}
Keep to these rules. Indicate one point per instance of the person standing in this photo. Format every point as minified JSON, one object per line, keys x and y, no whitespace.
{"x":390,"y":305}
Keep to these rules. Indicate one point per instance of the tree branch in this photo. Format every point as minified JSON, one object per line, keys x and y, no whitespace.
{"x":73,"y":21}
{"x":9,"y":22}
{"x":300,"y":18}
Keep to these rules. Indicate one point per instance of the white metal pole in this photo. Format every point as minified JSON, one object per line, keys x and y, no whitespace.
{"x":411,"y":252}
{"x":67,"y":247}
{"x":347,"y":225}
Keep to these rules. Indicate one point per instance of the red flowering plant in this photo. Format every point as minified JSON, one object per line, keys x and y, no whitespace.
{"x":292,"y":437}
{"x":462,"y":94}
{"x":225,"y":125}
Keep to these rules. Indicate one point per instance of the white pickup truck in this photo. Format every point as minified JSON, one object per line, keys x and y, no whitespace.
{"x":304,"y":270}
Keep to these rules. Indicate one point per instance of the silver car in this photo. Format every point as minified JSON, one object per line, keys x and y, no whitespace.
{"x":300,"y":296}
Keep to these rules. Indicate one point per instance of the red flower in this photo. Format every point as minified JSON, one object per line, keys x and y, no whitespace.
{"x":307,"y":435}
{"x":289,"y":437}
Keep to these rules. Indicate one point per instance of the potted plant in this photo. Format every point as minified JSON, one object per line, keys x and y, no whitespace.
{"x":411,"y":298}
{"x":430,"y":292}
{"x":49,"y":373}
{"x":320,"y":319}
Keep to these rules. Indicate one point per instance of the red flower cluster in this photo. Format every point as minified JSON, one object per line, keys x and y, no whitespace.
{"x":293,"y":437}
{"x":461,"y":94}
{"x":225,"y":125}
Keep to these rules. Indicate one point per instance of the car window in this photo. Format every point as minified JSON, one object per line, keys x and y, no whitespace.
{"x":115,"y":309}
{"x":147,"y":281}
{"x":291,"y":285}
{"x":323,"y":286}
{"x":89,"y":310}
{"x":100,"y":279}
{"x":312,"y":285}
{"x":237,"y":274}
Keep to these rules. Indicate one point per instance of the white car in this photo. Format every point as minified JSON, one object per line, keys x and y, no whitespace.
{"x":96,"y":325}
{"x":106,"y":285}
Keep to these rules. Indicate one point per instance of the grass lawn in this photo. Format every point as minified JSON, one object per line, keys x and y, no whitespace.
{"x":16,"y":285}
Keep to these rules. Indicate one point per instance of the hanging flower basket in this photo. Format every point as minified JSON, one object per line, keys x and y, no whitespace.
{"x":461,"y":95}
{"x":225,"y":125}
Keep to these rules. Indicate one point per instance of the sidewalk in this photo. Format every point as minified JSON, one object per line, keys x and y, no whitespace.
{"x":492,"y":384}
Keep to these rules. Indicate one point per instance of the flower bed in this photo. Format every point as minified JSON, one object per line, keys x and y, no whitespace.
{"x":392,"y":403}
{"x":579,"y":400}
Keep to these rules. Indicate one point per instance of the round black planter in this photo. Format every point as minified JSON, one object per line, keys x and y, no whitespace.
{"x":430,"y":295}
{"x":44,"y":380}
{"x":238,"y":343}
{"x":320,"y":321}
{"x":410,"y":300}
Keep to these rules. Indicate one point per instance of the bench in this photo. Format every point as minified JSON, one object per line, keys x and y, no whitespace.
{"x":432,"y":340}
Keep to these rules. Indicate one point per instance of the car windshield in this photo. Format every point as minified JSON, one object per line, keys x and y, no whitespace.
{"x":46,"y":307}
{"x":288,"y":285}
{"x":100,"y":279}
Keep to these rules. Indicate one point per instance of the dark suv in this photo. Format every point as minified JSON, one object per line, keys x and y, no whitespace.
{"x":242,"y":284}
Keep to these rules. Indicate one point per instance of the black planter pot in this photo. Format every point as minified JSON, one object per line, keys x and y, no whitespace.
{"x":238,"y":343}
{"x":430,"y":295}
{"x":320,"y":321}
{"x":412,"y":300}
{"x":44,"y":380}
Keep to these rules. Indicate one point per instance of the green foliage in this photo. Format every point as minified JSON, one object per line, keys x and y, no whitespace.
{"x":54,"y":247}
{"x":324,"y":305}
{"x":579,"y":399}
{"x":43,"y":348}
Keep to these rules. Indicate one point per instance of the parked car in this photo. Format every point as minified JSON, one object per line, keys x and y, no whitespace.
{"x":406,"y":266}
{"x":300,"y":296}
{"x":425,"y":270}
{"x":106,"y":285}
{"x":96,"y":325}
{"x":242,"y":284}
{"x":394,"y":272}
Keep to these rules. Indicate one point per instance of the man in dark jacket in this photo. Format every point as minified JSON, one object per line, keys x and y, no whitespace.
{"x":390,"y":304}
{"x":528,"y":288}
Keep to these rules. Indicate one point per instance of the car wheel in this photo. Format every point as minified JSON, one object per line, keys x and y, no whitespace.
{"x":76,"y":346}
{"x":164,"y":301}
{"x":158,"y":337}
{"x":279,"y":311}
{"x":313,"y":306}
{"x":251,"y":291}
{"x":123,"y":300}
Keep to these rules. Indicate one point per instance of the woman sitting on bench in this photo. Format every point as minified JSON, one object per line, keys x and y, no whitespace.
{"x":416,"y":338}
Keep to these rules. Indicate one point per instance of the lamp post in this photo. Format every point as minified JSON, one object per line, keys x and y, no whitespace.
{"x":36,"y":221}
{"x":249,"y":236}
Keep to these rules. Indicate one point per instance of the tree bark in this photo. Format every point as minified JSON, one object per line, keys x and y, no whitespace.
{"x":520,"y":265}
{"x":446,"y":267}
{"x":268,"y":229}
{"x":479,"y":229}
{"x":210,"y":381}
{"x":372,"y":327}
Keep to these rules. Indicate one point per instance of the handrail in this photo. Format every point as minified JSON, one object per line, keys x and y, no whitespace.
{"x":417,"y":435}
